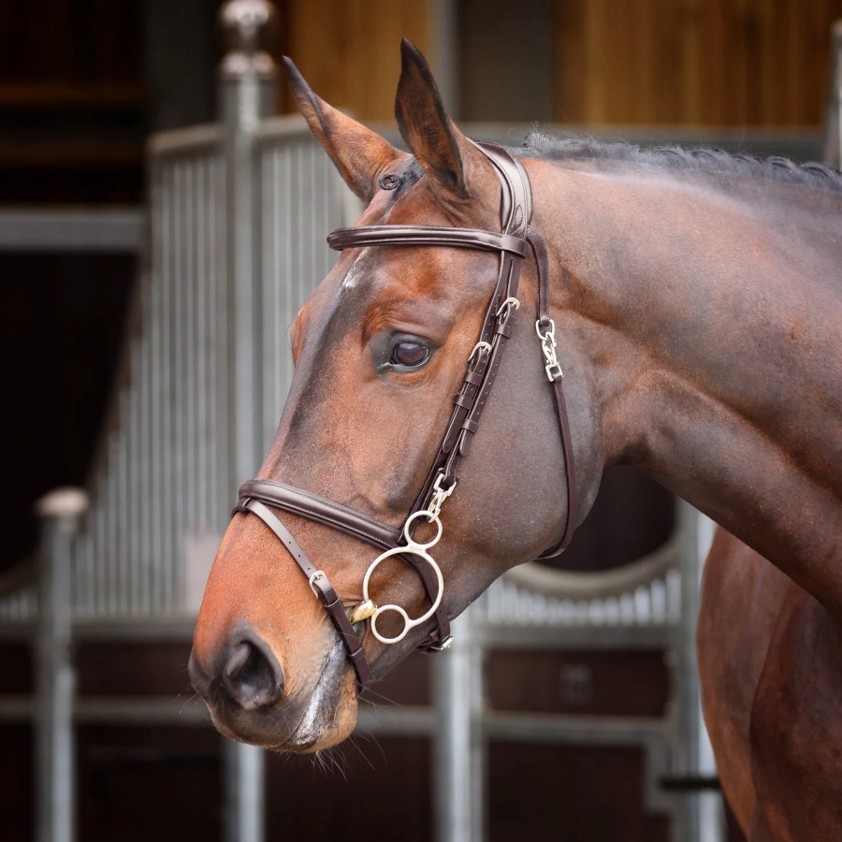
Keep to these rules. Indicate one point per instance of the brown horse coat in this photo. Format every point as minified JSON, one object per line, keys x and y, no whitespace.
{"x":697,"y":300}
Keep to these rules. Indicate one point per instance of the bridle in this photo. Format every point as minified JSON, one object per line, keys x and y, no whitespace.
{"x":257,"y":495}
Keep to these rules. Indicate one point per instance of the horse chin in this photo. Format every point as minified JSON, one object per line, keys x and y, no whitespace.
{"x":298,"y":726}
{"x":331,"y":713}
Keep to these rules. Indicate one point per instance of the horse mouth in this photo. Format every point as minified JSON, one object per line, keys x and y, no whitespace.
{"x":322,"y":719}
{"x":324,"y":710}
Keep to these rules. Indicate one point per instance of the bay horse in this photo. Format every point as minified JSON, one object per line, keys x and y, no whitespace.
{"x":695,"y":301}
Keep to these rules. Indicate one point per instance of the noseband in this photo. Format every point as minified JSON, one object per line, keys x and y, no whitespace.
{"x":483,"y":363}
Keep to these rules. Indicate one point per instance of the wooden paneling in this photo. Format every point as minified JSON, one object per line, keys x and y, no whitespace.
{"x":349,"y":50}
{"x":569,"y":794}
{"x":622,"y":683}
{"x":711,"y":62}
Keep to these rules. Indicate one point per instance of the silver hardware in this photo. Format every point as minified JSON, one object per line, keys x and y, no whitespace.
{"x":445,"y":644}
{"x":480,"y":346}
{"x":319,"y":574}
{"x":439,"y":496}
{"x":415,"y":548}
{"x":509,"y":302}
{"x":548,"y":346}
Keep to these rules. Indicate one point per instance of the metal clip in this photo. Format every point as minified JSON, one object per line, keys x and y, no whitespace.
{"x":439,"y":496}
{"x":548,"y":346}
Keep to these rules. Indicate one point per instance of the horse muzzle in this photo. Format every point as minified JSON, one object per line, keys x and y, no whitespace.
{"x":246,"y":691}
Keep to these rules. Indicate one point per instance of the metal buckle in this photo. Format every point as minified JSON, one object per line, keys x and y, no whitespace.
{"x":441,"y":647}
{"x":509,"y":302}
{"x":319,"y":574}
{"x":480,"y":346}
{"x":439,"y":496}
{"x":548,"y":346}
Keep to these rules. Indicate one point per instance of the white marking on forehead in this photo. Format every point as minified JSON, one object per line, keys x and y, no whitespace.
{"x":357,"y":270}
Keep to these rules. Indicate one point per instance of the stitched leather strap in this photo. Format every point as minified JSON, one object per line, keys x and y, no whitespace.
{"x":321,"y":586}
{"x":425,"y":235}
{"x":539,"y":249}
{"x":512,"y":244}
{"x":324,"y":511}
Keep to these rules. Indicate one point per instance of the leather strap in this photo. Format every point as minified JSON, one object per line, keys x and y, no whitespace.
{"x":425,"y":235}
{"x":539,"y":249}
{"x":513,"y":245}
{"x":339,"y":517}
{"x":321,"y":586}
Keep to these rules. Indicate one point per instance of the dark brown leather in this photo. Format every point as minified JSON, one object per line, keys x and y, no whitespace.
{"x":539,"y":249}
{"x":424,"y":235}
{"x":513,"y":244}
{"x":321,"y":587}
{"x":309,"y":505}
{"x":324,"y":511}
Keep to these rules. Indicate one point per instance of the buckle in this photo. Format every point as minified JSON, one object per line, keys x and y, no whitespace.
{"x":480,"y":346}
{"x":319,"y":574}
{"x":504,"y":309}
{"x":444,"y":645}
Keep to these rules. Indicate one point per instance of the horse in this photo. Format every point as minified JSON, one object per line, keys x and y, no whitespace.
{"x":689,"y":304}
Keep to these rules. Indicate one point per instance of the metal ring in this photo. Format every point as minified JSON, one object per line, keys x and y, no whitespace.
{"x":480,"y":346}
{"x":431,"y":518}
{"x":549,"y":336}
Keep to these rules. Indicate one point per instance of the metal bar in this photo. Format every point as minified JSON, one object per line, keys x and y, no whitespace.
{"x":60,"y":512}
{"x":248,"y":93}
{"x":244,"y":775}
{"x":72,"y":230}
{"x":458,"y":742}
{"x":702,"y":818}
{"x":574,"y":730}
{"x":511,"y":636}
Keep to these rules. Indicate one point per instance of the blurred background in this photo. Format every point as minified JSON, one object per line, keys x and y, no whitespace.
{"x":97,"y":101}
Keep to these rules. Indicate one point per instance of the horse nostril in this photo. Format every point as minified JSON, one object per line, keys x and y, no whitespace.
{"x":251,"y":674}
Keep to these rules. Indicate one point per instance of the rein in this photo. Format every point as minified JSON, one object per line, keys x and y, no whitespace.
{"x":257,"y":495}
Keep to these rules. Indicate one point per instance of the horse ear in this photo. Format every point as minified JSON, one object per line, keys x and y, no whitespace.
{"x":359,"y":154}
{"x":441,"y":149}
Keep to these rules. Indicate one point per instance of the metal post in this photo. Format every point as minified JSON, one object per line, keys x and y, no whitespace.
{"x":60,"y":513}
{"x":459,"y":750}
{"x":244,"y":792}
{"x":832,"y":154}
{"x":702,"y":816}
{"x":247,"y":94}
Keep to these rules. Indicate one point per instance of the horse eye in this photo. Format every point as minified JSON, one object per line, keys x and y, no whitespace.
{"x":410,"y":354}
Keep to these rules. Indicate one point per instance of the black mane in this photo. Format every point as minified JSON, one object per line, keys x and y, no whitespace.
{"x":545,"y":147}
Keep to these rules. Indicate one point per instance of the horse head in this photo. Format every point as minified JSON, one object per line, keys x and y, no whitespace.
{"x":380,"y":350}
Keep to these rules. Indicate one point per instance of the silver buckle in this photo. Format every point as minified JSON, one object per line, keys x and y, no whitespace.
{"x":319,"y":574}
{"x":511,"y":301}
{"x":480,"y":346}
{"x":445,"y":644}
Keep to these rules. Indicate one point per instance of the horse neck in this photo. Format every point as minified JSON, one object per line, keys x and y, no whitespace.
{"x":709,"y":326}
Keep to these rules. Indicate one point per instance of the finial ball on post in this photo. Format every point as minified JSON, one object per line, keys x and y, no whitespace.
{"x":248,"y":26}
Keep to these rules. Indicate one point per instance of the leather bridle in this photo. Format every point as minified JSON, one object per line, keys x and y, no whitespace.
{"x":512,"y":244}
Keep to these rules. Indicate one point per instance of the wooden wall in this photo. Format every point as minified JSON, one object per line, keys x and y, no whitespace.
{"x":349,"y":50}
{"x":712,"y":62}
